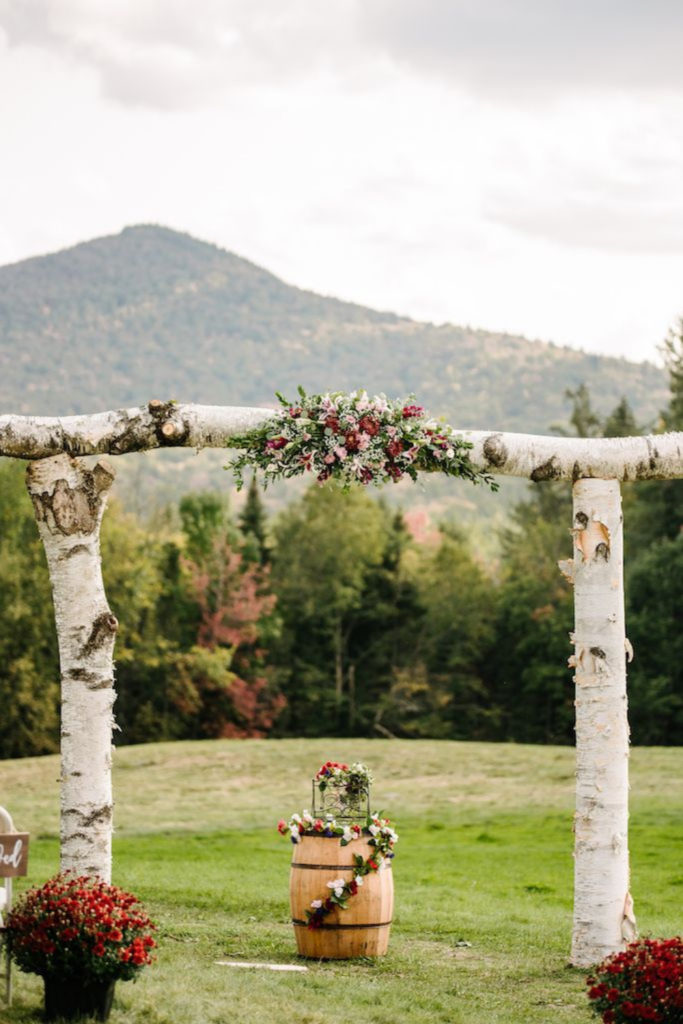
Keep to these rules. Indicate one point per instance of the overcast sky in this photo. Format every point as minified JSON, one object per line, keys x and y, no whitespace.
{"x":515,"y":165}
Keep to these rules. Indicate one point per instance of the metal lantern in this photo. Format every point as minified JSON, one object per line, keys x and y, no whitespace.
{"x":341,"y":800}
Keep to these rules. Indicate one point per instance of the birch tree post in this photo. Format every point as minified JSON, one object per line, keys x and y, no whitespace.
{"x":69,"y":505}
{"x":603,"y":908}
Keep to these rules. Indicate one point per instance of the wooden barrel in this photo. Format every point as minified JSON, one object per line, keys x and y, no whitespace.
{"x":362,"y":929}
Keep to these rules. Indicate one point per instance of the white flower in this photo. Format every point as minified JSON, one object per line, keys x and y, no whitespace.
{"x":359,"y":879}
{"x":316,"y":904}
{"x":374,"y":829}
{"x":348,"y":834}
{"x":294,"y":832}
{"x":296,"y":817}
{"x":338,"y":886}
{"x":449,"y":453}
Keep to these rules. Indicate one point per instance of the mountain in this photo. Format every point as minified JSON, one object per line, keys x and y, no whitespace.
{"x":152,"y":313}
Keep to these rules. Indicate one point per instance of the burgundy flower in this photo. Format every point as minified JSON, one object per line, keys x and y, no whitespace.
{"x":275,"y":443}
{"x":410,"y":411}
{"x":394,"y":448}
{"x":332,"y":423}
{"x":352,"y":441}
{"x":369,"y":424}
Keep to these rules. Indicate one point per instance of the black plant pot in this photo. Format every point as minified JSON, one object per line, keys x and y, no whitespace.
{"x":73,"y":999}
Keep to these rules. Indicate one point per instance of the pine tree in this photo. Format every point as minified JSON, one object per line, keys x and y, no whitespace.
{"x":252,"y":521}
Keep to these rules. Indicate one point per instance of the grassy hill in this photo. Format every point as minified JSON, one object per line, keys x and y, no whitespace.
{"x":152,"y":313}
{"x":483,"y":877}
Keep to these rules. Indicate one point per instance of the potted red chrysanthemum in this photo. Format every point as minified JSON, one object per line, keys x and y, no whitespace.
{"x":81,"y":936}
{"x":642,"y":983}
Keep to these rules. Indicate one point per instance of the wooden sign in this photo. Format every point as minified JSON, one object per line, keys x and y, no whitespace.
{"x":13,"y":854}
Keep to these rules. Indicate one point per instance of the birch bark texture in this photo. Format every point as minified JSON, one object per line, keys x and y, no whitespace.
{"x":603,"y":909}
{"x":69,"y":501}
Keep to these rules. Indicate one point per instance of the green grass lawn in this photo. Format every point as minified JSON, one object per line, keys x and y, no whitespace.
{"x":483,"y":878}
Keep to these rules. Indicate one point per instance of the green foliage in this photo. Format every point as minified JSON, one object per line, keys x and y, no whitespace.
{"x":29,"y":678}
{"x":453,"y":641}
{"x":253,"y":526}
{"x":325,"y":546}
{"x":672,"y":351}
{"x":655,"y":598}
{"x":339,"y":614}
{"x":535,"y":613}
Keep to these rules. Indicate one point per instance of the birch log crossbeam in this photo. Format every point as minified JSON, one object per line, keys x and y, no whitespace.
{"x":172,"y":425}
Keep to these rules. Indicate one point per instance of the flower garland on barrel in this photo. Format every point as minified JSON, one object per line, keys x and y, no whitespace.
{"x":377,"y":832}
{"x":353,"y":438}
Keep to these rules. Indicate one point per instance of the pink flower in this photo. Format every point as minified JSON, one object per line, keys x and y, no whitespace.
{"x":276,"y":442}
{"x":329,"y":459}
{"x":341,"y":452}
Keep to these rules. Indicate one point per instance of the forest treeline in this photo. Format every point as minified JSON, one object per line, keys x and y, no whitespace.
{"x":331,"y":618}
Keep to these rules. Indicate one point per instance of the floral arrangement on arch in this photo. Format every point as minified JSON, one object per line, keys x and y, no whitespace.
{"x":353,"y":438}
{"x":375,"y":830}
{"x":642,"y":983}
{"x":81,"y":928}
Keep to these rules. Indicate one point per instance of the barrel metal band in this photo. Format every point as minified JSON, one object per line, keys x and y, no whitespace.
{"x":331,"y":867}
{"x":337,"y":927}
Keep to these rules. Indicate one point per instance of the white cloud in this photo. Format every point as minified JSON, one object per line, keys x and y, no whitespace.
{"x":171,"y":54}
{"x":534,"y":48}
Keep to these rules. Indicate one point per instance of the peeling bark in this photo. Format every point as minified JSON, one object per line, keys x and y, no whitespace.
{"x":69,"y":502}
{"x":603,"y":908}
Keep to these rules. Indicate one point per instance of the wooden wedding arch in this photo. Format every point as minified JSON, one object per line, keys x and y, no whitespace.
{"x":69,"y":501}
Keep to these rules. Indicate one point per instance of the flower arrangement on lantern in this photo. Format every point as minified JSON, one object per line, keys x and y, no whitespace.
{"x":353,"y":438}
{"x":344,"y":791}
{"x":375,"y":830}
{"x":81,"y":928}
{"x":356,"y":778}
{"x":642,"y":983}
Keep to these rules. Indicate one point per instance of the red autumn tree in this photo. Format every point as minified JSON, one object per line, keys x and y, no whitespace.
{"x":221,"y":681}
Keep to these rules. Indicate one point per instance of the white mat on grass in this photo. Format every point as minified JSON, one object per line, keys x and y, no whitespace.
{"x":267,"y":967}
